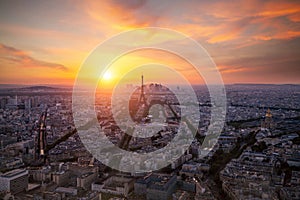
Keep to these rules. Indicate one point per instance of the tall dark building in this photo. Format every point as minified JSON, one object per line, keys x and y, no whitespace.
{"x":268,"y":122}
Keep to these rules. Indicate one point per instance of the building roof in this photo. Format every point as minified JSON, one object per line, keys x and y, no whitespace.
{"x":14,"y":173}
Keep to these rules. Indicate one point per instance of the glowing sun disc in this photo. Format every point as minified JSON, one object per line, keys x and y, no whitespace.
{"x":107,"y":75}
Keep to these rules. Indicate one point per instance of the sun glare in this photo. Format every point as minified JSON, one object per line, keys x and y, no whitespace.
{"x":107,"y":76}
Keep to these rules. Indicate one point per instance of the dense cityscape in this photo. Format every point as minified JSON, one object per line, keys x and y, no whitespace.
{"x":257,"y":155}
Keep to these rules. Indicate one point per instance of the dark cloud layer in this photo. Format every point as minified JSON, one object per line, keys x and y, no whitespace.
{"x":22,"y":59}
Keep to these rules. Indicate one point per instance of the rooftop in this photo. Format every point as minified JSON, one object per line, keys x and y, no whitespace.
{"x":14,"y":173}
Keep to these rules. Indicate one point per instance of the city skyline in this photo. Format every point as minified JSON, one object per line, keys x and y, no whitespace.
{"x":150,"y":100}
{"x":250,"y":42}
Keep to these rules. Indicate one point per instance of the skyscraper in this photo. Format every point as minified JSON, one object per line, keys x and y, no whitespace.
{"x":268,"y":122}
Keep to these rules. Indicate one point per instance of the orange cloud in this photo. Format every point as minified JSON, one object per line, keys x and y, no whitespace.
{"x":22,"y":59}
{"x":215,"y":22}
{"x":286,"y":35}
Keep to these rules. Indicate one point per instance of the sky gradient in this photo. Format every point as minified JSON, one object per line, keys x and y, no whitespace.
{"x":45,"y":42}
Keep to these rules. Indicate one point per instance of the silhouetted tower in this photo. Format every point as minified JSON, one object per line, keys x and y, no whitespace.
{"x":142,"y":99}
{"x":40,"y":143}
{"x":139,"y":114}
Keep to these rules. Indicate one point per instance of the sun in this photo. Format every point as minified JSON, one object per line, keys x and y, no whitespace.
{"x":107,"y":76}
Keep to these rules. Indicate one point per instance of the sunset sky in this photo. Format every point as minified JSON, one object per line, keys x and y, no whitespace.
{"x":45,"y":42}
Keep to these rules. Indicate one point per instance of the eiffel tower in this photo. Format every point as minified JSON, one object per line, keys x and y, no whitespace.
{"x":142,"y":99}
{"x":139,"y":114}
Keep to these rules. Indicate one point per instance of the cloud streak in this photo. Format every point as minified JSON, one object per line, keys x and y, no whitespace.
{"x":213,"y":21}
{"x":23,"y":59}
